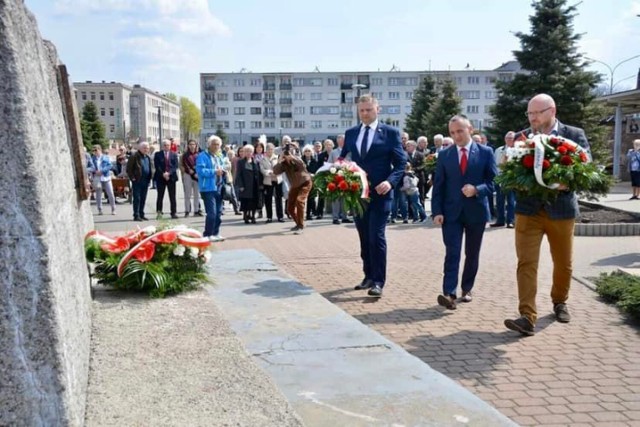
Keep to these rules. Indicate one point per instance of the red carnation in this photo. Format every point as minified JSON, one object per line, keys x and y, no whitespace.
{"x":338,"y":178}
{"x":120,"y":245}
{"x":355,"y":187}
{"x":343,"y":186}
{"x":532,"y":145}
{"x":583,"y":157}
{"x":546,"y":164}
{"x":145,"y":252}
{"x":554,"y":140}
{"x":571,"y":148}
{"x":527,"y":161}
{"x":331,"y":187}
{"x":566,"y":160}
{"x":562,"y":149}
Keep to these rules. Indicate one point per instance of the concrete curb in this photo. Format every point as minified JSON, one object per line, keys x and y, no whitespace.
{"x":334,"y":370}
{"x":607,"y":230}
{"x":588,"y":283}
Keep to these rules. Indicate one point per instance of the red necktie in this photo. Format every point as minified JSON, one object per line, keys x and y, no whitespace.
{"x":166,"y":161}
{"x":463,"y":160}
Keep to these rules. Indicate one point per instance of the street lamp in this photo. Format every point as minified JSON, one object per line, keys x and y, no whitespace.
{"x":626,"y":78}
{"x":612,"y":70}
{"x":160,"y":125}
{"x":280,"y":138}
{"x":241,"y":125}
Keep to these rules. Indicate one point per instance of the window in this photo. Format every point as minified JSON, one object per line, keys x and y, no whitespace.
{"x":469,"y":94}
{"x":316,"y":124}
{"x":298,"y":124}
{"x":458,"y":81}
{"x":256,"y":97}
{"x":223,"y":111}
{"x":324,"y":110}
{"x":222,"y":96}
{"x":408,"y":95}
{"x":255,"y":110}
{"x":490,"y":80}
{"x":285,"y":124}
{"x":390,"y":109}
{"x":394,"y":95}
{"x":110,"y":96}
{"x":473,"y":80}
{"x":238,"y":82}
{"x":332,"y":81}
{"x":101,"y":96}
{"x":270,"y":125}
{"x":472,"y":109}
{"x":298,"y":110}
{"x":93,"y":96}
{"x":112,"y":128}
{"x":256,"y":125}
{"x":346,"y":123}
{"x":238,"y":111}
{"x":487,"y":109}
{"x":239,"y":96}
{"x":298,"y":96}
{"x":84,"y":96}
{"x":111,"y":112}
{"x":408,"y":109}
{"x":225,"y":124}
{"x":377,"y":95}
{"x":395,"y":123}
{"x":376,"y":81}
{"x":222,"y":83}
{"x":255,"y":82}
{"x":332,"y":124}
{"x":491,"y":94}
{"x":333,"y":96}
{"x":316,"y":96}
{"x":102,"y":112}
{"x":393,"y":81}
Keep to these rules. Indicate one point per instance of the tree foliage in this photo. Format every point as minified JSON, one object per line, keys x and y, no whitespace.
{"x":436,"y":120}
{"x":551,"y":64}
{"x":190,"y":119}
{"x":423,"y":100}
{"x":222,"y":134}
{"x":92,"y":128}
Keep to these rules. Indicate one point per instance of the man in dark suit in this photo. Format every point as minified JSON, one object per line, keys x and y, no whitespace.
{"x":463,"y":180}
{"x":536,"y":218}
{"x":166,"y":176}
{"x":377,"y":149}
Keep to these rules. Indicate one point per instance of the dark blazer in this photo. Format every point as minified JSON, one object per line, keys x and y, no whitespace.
{"x":248,"y":180}
{"x":447,"y":198}
{"x":134,"y":167}
{"x":565,"y":206}
{"x":159,"y":164}
{"x":417,"y":164}
{"x":385,"y":159}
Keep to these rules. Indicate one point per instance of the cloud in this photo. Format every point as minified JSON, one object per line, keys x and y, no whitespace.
{"x":188,"y":17}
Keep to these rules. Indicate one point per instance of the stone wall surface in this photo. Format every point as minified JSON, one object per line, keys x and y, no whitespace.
{"x":44,"y":284}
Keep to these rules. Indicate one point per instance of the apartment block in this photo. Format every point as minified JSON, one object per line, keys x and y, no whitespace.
{"x":315,"y":105}
{"x":130,"y":112}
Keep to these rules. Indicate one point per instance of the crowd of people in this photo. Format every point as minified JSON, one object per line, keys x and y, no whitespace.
{"x":265,"y":182}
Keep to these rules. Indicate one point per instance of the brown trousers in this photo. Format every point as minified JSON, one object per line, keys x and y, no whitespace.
{"x":297,"y":201}
{"x":529,"y":232}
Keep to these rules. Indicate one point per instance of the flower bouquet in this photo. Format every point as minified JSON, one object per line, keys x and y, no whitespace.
{"x":430,"y":162}
{"x":159,"y":261}
{"x":344,"y":181}
{"x":543,"y":165}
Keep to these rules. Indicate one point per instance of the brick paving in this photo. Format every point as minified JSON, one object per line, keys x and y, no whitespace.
{"x":583,"y":373}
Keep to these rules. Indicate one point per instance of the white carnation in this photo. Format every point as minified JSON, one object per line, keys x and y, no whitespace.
{"x":333,"y":170}
{"x":179,"y":250}
{"x":194,"y":252}
{"x":149,"y":230}
{"x":341,"y":172}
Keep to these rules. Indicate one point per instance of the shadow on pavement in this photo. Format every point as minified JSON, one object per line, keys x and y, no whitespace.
{"x":624,"y":260}
{"x":279,"y":289}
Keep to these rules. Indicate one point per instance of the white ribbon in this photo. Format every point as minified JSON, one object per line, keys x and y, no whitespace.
{"x":541,"y":142}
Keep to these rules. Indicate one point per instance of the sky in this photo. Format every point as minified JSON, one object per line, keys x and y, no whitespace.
{"x":164,"y":45}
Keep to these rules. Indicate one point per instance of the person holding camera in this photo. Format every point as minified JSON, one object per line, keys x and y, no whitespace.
{"x":300,"y":184}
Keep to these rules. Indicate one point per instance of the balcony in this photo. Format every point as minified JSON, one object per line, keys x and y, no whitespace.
{"x":209,"y":115}
{"x":286,"y":115}
{"x":209,"y":102}
{"x":269,"y":86}
{"x":346,"y":86}
{"x":209,"y":86}
{"x":269,"y":101}
{"x":346,"y":115}
{"x":285,"y":86}
{"x":286,"y":101}
{"x":269,"y":115}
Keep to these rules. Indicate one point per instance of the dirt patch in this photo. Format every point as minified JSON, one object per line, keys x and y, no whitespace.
{"x":600,"y":215}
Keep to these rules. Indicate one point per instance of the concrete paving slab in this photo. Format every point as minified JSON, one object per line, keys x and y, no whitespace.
{"x":333,"y":369}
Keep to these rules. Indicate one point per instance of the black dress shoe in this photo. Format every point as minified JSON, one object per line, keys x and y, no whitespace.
{"x":197,"y":213}
{"x":269,"y":221}
{"x":365,"y":284}
{"x":375,"y":291}
{"x":521,"y":325}
{"x":144,"y":218}
{"x":347,"y":221}
{"x":280,"y":220}
{"x":186,"y":214}
{"x":174,"y":216}
{"x":136,"y":219}
{"x":336,"y":221}
{"x":497,"y":224}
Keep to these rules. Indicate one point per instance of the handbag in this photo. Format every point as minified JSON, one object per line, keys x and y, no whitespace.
{"x":227,"y":192}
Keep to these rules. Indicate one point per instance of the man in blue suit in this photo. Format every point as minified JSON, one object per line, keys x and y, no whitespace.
{"x":165,"y":162}
{"x":377,"y":149}
{"x":463,"y":180}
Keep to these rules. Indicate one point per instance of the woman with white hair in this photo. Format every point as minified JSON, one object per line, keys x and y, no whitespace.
{"x":248,"y":184}
{"x":272,"y":184}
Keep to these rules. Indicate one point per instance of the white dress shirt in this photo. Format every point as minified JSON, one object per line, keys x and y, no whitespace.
{"x":372,"y":129}
{"x":467,"y":147}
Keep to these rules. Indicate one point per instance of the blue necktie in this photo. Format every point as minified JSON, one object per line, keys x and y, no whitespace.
{"x":365,"y":142}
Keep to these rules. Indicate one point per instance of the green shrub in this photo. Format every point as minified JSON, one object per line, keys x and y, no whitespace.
{"x":622,"y":289}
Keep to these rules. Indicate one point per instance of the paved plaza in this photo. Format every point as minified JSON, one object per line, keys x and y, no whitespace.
{"x":582,"y":373}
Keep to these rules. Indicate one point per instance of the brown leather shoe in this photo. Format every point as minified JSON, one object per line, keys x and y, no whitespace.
{"x":521,"y":325}
{"x":448,"y":302}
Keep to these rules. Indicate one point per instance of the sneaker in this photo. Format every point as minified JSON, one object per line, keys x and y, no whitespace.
{"x":448,"y":302}
{"x":522,"y":325}
{"x":336,"y":221}
{"x":294,"y":228}
{"x":466,"y":297}
{"x":219,"y":238}
{"x":562,"y":312}
{"x":298,"y":231}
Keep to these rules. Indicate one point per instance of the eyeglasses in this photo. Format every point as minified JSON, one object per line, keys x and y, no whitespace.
{"x":536,"y":113}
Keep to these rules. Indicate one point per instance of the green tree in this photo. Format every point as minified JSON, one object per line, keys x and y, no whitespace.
{"x":446,"y":106}
{"x":222,"y":134}
{"x":551,"y":64}
{"x":91,"y":127}
{"x":423,"y":100}
{"x":171,"y":96}
{"x":190,"y":119}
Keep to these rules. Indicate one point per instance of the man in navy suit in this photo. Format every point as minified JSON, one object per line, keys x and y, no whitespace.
{"x":377,"y":149}
{"x":536,"y":218}
{"x":165,"y":162}
{"x":463,"y":180}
